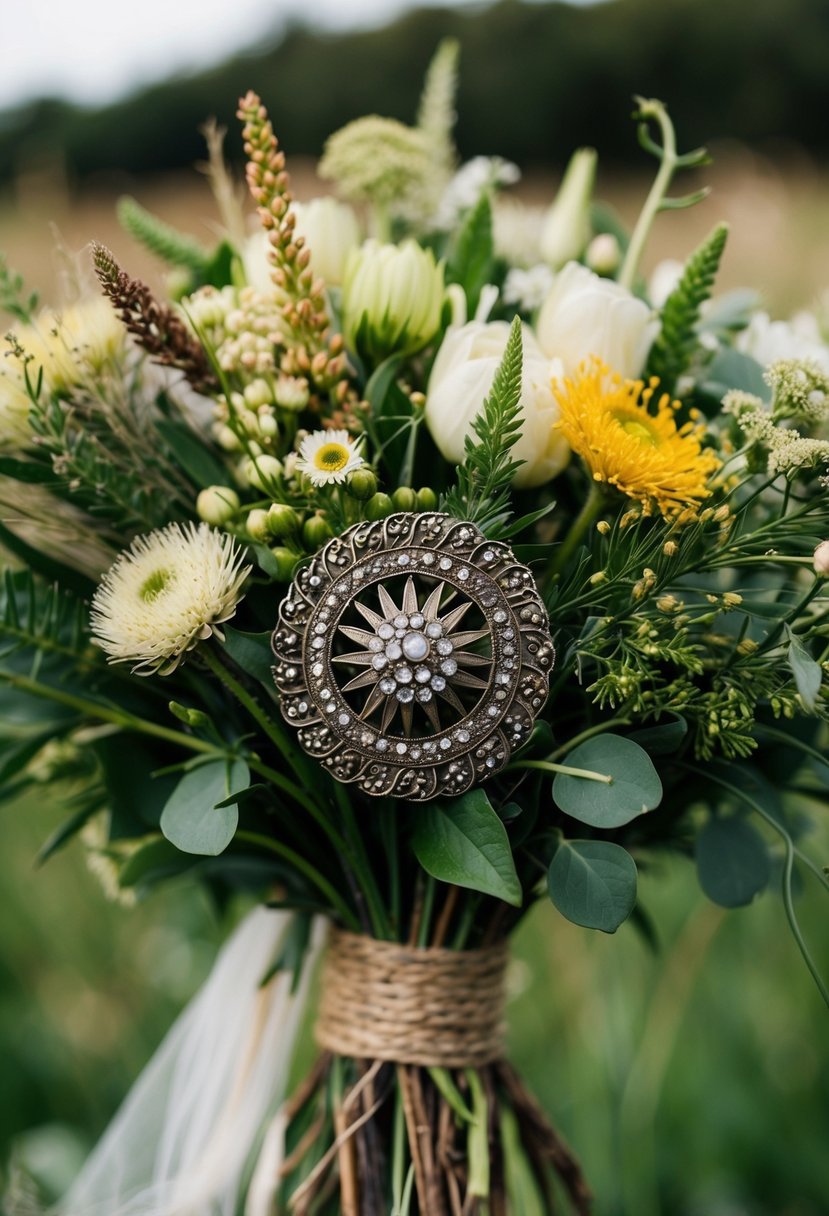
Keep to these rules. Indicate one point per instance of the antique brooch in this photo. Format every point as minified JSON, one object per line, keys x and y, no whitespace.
{"x":412,"y":656}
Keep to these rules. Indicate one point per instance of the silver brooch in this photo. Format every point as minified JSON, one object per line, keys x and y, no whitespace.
{"x":412,"y":656}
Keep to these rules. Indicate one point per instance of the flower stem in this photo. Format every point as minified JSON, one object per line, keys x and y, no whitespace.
{"x":599,"y":729}
{"x":547,"y":766}
{"x":668,"y":164}
{"x":592,"y":507}
{"x":304,"y":867}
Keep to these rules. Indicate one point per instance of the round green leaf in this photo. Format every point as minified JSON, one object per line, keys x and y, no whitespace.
{"x":197,"y":817}
{"x":593,"y":883}
{"x":732,"y":861}
{"x":634,"y":785}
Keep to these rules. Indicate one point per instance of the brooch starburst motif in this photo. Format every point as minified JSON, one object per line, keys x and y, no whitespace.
{"x":453,"y":657}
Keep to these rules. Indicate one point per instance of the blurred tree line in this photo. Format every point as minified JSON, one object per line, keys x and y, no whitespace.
{"x":536,"y":79}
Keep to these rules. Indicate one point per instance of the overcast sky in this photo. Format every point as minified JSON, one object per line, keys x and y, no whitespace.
{"x":95,"y":50}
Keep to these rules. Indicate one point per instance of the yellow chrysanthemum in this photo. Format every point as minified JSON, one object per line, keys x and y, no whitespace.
{"x":629,"y":439}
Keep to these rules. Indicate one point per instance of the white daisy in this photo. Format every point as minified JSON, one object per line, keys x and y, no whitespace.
{"x":169,"y":591}
{"x":328,"y":456}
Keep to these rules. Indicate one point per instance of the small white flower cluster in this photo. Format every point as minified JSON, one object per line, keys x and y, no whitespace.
{"x":528,"y":289}
{"x":244,"y":326}
{"x":788,"y":450}
{"x":801,"y":389}
{"x":170,"y":590}
{"x":770,"y":341}
{"x":482,"y":173}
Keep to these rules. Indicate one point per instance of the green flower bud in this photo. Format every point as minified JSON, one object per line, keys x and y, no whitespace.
{"x":427,"y":499}
{"x":392,"y":299}
{"x":217,"y":504}
{"x":362,"y":484}
{"x":566,"y":228}
{"x":257,"y":393}
{"x":257,"y":524}
{"x":604,"y":254}
{"x":268,"y":426}
{"x":286,"y":563}
{"x":262,"y":471}
{"x":283,"y":520}
{"x":315,"y":532}
{"x":404,"y":498}
{"x":379,"y":506}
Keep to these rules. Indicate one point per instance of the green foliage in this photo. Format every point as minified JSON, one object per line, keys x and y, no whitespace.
{"x":472,"y":253}
{"x":43,"y":622}
{"x":481,"y":494}
{"x":633,"y":789}
{"x":593,"y":883}
{"x":465,"y":843}
{"x":197,"y":817}
{"x":732,"y":861}
{"x":173,"y":247}
{"x":14,"y":299}
{"x":252,"y":652}
{"x":808,"y":674}
{"x":678,"y":341}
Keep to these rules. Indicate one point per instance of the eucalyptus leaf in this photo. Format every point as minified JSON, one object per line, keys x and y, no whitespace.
{"x":663,"y":738}
{"x":633,"y":789}
{"x":465,"y":843}
{"x":733,"y":862}
{"x":807,"y":673}
{"x":593,"y":883}
{"x":192,"y":818}
{"x":252,"y":652}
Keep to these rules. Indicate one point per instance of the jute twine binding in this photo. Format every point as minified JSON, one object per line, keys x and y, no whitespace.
{"x":434,"y":1007}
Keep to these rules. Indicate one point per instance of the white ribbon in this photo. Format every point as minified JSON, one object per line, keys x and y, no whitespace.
{"x":182,"y":1143}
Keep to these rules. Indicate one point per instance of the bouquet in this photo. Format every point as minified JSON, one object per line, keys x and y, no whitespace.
{"x":414,"y":561}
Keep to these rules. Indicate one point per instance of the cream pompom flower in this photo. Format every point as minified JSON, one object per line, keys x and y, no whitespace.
{"x":328,"y":456}
{"x":170,"y":590}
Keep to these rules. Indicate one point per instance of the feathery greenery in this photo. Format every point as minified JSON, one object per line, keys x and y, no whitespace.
{"x":13,"y":298}
{"x":481,"y":494}
{"x":166,"y":242}
{"x":674,"y":348}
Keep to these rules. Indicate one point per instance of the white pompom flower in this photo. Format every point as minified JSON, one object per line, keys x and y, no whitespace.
{"x":327,"y":457}
{"x":169,"y":591}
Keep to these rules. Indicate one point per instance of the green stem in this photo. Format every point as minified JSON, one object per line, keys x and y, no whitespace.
{"x":658,"y":191}
{"x":299,"y":795}
{"x":362,"y":867}
{"x":547,"y":766}
{"x":304,"y":867}
{"x":426,"y":914}
{"x":407,"y":468}
{"x":592,"y":507}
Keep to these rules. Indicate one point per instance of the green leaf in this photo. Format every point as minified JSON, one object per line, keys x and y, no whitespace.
{"x":732,"y":369}
{"x":64,"y":832}
{"x":30,"y":471}
{"x":47,"y":567}
{"x":732,"y":861}
{"x":191,"y":455}
{"x":807,"y":673}
{"x":664,"y":738}
{"x":465,"y":843}
{"x":472,"y":255}
{"x":252,"y":652}
{"x":634,"y":787}
{"x":677,"y":341}
{"x":156,"y":859}
{"x":381,"y":382}
{"x":593,"y":883}
{"x":192,"y":820}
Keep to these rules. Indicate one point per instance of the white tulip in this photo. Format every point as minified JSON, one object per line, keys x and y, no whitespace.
{"x":585,"y":315}
{"x":331,"y":231}
{"x":392,"y":299}
{"x":567,"y":228}
{"x":461,"y":379}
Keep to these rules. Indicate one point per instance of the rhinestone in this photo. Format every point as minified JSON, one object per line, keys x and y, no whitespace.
{"x":386,"y":631}
{"x":462,"y":736}
{"x":463,"y":574}
{"x":290,"y":673}
{"x":401,"y":748}
{"x":403,"y":559}
{"x":393,"y":650}
{"x":405,"y":695}
{"x":415,"y":753}
{"x":445,"y":744}
{"x":400,"y":622}
{"x":493,"y":711}
{"x":320,"y":627}
{"x":428,"y":559}
{"x":388,"y":685}
{"x":424,"y":694}
{"x":331,"y":601}
{"x":343,"y":719}
{"x":445,"y":563}
{"x":434,"y":629}
{"x":303,"y":707}
{"x":375,"y":644}
{"x":500,"y":616}
{"x":403,"y":675}
{"x":416,"y":620}
{"x":366,"y":739}
{"x":317,"y":669}
{"x":449,"y":667}
{"x":491,"y":762}
{"x":502,"y":677}
{"x":379,"y":662}
{"x":416,"y":646}
{"x":318,"y":643}
{"x":331,"y":707}
{"x":509,"y":634}
{"x":438,"y":683}
{"x":314,"y":580}
{"x":382,"y":745}
{"x":422,"y":675}
{"x":325,"y":694}
{"x":444,"y":647}
{"x":488,"y":555}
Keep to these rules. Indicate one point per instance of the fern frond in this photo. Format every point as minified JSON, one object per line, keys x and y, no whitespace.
{"x":677,"y":342}
{"x":481,"y":493}
{"x":43,"y":622}
{"x":174,"y":247}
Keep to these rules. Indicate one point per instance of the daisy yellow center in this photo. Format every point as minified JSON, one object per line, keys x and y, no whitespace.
{"x":629,"y":439}
{"x":154,"y":585}
{"x":331,"y":457}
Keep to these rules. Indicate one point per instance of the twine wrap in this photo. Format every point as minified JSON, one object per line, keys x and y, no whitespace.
{"x":434,"y":1007}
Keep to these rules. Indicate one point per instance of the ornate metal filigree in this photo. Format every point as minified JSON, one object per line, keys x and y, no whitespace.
{"x":453,"y":657}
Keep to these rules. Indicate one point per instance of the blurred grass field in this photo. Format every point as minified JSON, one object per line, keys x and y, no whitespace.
{"x":692,"y":1080}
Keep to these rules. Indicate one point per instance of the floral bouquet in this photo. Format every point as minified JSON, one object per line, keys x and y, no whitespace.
{"x":413,"y":562}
